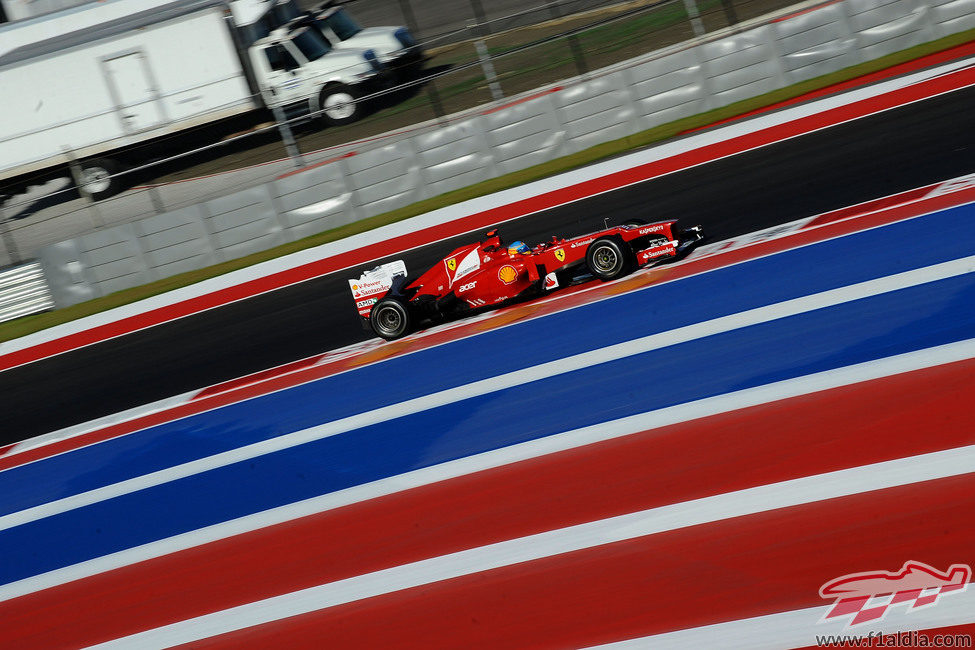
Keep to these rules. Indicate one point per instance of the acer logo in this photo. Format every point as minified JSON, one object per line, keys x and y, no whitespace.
{"x":468,"y":286}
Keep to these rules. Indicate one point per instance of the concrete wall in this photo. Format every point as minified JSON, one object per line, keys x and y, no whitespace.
{"x":650,"y":91}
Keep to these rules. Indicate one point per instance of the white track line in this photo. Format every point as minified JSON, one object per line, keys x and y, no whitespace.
{"x":832,"y":485}
{"x":485,"y":386}
{"x":849,"y":375}
{"x":494,"y":201}
{"x":757,"y":237}
{"x":799,"y":628}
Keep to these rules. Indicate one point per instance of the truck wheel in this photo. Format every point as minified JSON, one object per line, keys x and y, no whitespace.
{"x":339,"y":105}
{"x":607,"y":258}
{"x":390,"y":318}
{"x":97,"y":177}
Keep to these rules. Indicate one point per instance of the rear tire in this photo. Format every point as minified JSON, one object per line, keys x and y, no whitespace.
{"x":97,"y":178}
{"x":608,"y":258}
{"x":390,"y":318}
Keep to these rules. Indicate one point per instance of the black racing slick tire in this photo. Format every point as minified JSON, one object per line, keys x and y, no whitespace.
{"x":608,"y":258}
{"x":390,"y":318}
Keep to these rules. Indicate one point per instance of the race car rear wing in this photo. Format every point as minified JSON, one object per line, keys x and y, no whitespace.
{"x":371,"y":285}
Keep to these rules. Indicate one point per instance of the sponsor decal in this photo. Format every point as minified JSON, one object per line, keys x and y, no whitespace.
{"x":560,"y":254}
{"x":468,"y":286}
{"x":377,"y":280}
{"x":369,"y":287}
{"x":507,"y":274}
{"x":452,"y":264}
{"x":470,"y":263}
{"x":551,"y":282}
{"x":584,"y":242}
{"x":366,"y":303}
{"x":650,"y":229}
{"x":868,"y":595}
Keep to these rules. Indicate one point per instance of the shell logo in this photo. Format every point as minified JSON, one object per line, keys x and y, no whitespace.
{"x":452,"y":264}
{"x":507,"y":274}
{"x":560,"y":255}
{"x":355,"y":287}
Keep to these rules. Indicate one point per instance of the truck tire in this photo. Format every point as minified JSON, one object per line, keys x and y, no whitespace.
{"x":390,"y":318}
{"x":339,"y":104}
{"x":608,"y":258}
{"x":96,"y":178}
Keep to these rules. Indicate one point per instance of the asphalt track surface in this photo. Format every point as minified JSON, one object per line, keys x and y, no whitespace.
{"x":919,"y":144}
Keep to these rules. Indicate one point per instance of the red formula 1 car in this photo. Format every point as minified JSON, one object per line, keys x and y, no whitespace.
{"x":488,"y":273}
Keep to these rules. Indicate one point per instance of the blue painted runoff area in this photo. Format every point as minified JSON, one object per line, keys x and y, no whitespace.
{"x":847,"y":260}
{"x":888,"y":324}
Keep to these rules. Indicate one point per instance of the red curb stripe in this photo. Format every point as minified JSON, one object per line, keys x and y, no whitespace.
{"x":788,"y":439}
{"x":276,"y":380}
{"x":738,"y":568}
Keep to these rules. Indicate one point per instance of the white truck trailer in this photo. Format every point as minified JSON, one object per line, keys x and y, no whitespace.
{"x":110,"y":94}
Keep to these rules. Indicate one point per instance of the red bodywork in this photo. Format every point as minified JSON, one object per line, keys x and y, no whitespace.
{"x":485,"y":273}
{"x":489,"y":273}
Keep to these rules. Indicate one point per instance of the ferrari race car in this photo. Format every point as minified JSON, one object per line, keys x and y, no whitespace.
{"x":489,"y":273}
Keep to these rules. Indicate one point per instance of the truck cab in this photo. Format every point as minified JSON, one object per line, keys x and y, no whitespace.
{"x":395,"y":47}
{"x":297,"y":66}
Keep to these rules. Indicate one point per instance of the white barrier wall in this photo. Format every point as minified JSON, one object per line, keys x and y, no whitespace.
{"x":609,"y":104}
{"x":23,"y":291}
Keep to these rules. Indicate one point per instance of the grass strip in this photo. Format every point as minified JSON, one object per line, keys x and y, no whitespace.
{"x":34,"y":323}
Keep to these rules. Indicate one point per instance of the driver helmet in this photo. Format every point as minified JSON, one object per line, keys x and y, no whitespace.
{"x":518,"y":248}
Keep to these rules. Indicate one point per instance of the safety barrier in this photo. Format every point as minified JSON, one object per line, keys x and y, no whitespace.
{"x":776,"y":51}
{"x":23,"y":291}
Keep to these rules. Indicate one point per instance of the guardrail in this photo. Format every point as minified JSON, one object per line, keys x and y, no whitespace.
{"x":23,"y":291}
{"x":677,"y":82}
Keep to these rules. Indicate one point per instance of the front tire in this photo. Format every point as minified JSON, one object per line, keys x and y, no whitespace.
{"x":390,"y":318}
{"x":340,"y":104}
{"x":607,"y":258}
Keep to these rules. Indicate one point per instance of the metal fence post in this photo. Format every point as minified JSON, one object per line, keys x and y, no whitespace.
{"x":729,"y":12}
{"x":691,"y":7}
{"x":478,"y":10}
{"x":75,"y":169}
{"x":431,"y":86}
{"x":485,"y":59}
{"x":8,"y":238}
{"x":573,"y":40}
{"x":155,"y":199}
{"x":287,"y":136}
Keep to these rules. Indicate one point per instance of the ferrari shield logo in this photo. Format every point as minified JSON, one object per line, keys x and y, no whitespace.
{"x":507,"y":274}
{"x":560,"y":255}
{"x":452,"y":264}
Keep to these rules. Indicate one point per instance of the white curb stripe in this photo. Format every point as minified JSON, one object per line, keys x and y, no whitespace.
{"x":519,"y":377}
{"x":500,"y":457}
{"x":832,"y":485}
